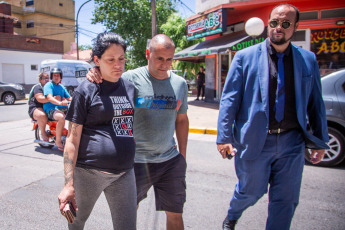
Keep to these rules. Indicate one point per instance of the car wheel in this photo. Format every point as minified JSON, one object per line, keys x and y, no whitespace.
{"x":9,"y":98}
{"x":336,"y":153}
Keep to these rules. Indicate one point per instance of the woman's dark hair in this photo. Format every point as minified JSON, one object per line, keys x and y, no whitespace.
{"x":104,"y":40}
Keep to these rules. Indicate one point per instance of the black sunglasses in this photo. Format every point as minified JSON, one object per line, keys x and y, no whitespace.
{"x":284,"y":24}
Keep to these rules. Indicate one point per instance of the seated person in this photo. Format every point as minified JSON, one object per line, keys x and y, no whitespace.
{"x":36,"y":101}
{"x":57,"y":107}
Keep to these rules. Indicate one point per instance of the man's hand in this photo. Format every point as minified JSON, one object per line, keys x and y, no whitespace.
{"x":224,"y":148}
{"x":64,"y":102}
{"x":67,"y":194}
{"x":94,"y":75}
{"x":317,"y":155}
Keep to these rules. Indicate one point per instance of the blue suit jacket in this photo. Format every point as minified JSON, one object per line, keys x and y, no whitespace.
{"x":244,"y":107}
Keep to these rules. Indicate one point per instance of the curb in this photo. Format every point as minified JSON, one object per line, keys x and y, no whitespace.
{"x":203,"y":131}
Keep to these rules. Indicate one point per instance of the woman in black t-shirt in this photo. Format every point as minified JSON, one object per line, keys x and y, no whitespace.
{"x":36,"y":101}
{"x":100,"y":148}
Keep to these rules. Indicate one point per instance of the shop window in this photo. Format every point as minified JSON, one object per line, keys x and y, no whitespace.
{"x":311,"y":15}
{"x":334,"y":13}
{"x":29,"y":2}
{"x":17,"y":24}
{"x":299,"y":36}
{"x":30,"y":24}
{"x":34,"y":67}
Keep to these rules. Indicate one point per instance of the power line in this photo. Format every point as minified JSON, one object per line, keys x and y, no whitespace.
{"x":186,"y":6}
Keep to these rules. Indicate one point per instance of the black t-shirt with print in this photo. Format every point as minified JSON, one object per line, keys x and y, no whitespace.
{"x":106,"y":113}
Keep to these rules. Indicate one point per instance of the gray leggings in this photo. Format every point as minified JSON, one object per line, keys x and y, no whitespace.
{"x":119,"y":190}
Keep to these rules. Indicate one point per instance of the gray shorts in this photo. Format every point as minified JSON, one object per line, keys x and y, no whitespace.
{"x":119,"y":190}
{"x":168,"y":180}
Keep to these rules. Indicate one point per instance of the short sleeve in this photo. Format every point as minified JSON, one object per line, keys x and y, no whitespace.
{"x":48,"y":89}
{"x":38,"y":89}
{"x":184,"y":102}
{"x":77,"y":112}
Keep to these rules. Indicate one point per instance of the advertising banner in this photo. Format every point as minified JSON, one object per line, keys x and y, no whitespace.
{"x":329,"y":47}
{"x":206,"y":25}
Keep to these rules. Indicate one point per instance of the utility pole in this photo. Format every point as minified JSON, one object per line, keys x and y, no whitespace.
{"x":154,"y":18}
{"x":77,"y":28}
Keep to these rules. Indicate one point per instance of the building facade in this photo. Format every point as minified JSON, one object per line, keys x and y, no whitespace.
{"x":49,"y":19}
{"x":321,"y":30}
{"x":20,"y":56}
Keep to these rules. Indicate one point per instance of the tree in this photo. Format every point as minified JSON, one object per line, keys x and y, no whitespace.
{"x":132,"y":20}
{"x":175,"y":28}
{"x":85,"y":47}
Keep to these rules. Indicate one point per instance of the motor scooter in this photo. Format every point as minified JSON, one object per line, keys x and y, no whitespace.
{"x":51,"y":133}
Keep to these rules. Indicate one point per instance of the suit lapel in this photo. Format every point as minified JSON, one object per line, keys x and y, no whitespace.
{"x":263,"y":73}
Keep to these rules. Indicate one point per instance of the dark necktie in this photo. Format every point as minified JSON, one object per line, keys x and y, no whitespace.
{"x":280,"y":95}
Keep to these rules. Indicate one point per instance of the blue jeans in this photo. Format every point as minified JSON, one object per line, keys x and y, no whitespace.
{"x":280,"y":165}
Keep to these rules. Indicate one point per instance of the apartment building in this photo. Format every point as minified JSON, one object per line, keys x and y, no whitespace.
{"x":47,"y":19}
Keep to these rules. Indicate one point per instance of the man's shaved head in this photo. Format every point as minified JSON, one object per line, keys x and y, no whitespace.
{"x":163,"y":40}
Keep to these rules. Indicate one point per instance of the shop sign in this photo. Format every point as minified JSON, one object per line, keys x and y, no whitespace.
{"x":328,"y":41}
{"x":206,"y":25}
{"x":247,"y":43}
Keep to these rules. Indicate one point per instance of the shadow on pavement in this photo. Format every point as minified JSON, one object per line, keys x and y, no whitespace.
{"x":16,"y":103}
{"x":209,"y":105}
{"x":54,"y":150}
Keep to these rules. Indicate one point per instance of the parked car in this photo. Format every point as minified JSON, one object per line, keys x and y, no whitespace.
{"x":10,"y":92}
{"x":333,"y":92}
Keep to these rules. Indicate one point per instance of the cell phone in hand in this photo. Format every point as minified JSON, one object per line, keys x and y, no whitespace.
{"x":69,"y":212}
{"x":229,"y":156}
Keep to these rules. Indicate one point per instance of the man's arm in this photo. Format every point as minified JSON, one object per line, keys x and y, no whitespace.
{"x":316,"y":107}
{"x":94,"y":75}
{"x":40,"y":98}
{"x":182,"y":128}
{"x":54,"y":101}
{"x":230,"y":101}
{"x":69,"y":158}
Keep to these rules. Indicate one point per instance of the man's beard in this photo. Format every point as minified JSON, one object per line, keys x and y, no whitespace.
{"x":282,"y":41}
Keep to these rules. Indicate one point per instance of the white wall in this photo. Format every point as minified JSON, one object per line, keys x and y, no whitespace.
{"x":27,"y":59}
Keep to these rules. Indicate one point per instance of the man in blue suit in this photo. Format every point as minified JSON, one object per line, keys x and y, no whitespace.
{"x":271,"y":92}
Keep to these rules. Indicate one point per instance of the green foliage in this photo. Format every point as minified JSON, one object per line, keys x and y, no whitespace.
{"x":175,"y":28}
{"x":132,"y":20}
{"x":85,"y":47}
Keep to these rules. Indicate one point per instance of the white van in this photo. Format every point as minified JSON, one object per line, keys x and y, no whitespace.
{"x":73,"y":71}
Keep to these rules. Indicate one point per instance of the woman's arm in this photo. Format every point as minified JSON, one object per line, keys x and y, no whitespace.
{"x":69,"y":158}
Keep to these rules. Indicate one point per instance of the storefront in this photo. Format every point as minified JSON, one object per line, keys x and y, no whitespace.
{"x":321,"y":30}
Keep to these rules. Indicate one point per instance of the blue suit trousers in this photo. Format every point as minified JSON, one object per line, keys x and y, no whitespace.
{"x":279,"y":166}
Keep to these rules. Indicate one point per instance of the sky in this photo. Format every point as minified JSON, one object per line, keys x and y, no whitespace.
{"x":88,"y":31}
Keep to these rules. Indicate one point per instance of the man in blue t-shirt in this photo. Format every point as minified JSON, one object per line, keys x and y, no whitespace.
{"x":58,"y":98}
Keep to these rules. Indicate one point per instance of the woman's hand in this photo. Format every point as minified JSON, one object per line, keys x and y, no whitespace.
{"x":67,"y":194}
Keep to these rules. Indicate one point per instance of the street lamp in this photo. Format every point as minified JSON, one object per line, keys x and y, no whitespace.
{"x":77,"y":28}
{"x":254,"y":27}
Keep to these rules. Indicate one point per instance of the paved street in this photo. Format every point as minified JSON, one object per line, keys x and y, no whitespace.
{"x":31,"y":178}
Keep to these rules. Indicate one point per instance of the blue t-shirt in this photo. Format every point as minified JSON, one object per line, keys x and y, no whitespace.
{"x":53,"y":89}
{"x":106,"y":112}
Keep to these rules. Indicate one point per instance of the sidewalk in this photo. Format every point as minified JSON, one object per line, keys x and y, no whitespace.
{"x":202,"y":116}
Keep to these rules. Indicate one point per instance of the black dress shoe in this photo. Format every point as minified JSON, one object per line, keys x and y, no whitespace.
{"x":229,"y":224}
